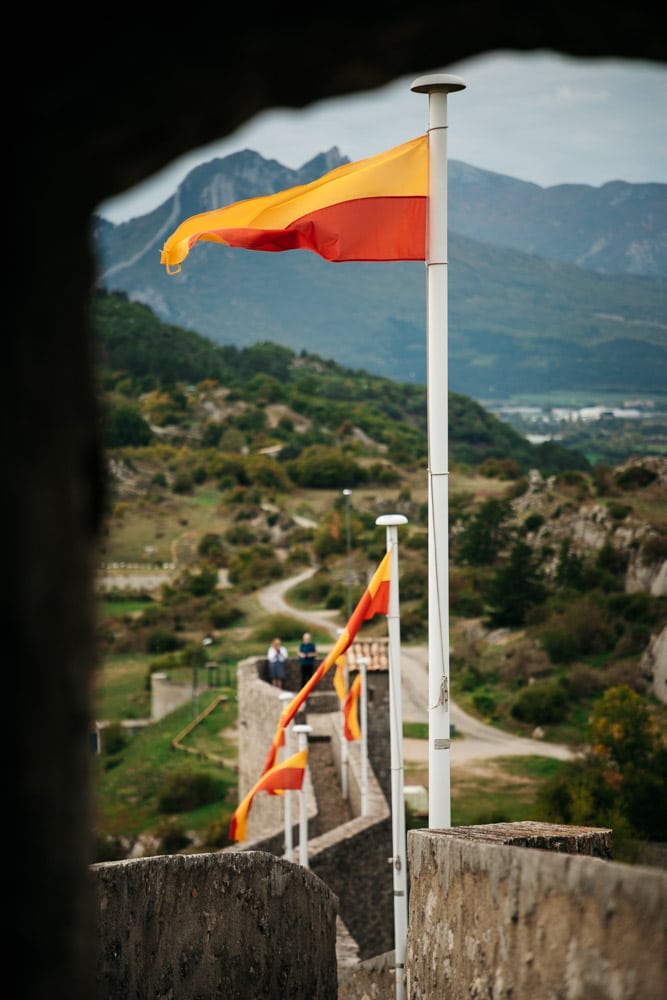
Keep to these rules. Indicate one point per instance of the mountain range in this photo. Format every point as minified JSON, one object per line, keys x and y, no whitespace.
{"x":550,"y":290}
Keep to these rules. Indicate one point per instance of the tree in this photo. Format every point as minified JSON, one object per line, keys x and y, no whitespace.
{"x":486,"y":533}
{"x":515,"y":588}
{"x":125,"y":426}
{"x":622,"y":781}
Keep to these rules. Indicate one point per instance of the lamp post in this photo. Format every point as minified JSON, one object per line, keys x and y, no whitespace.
{"x":205,"y":643}
{"x":347,"y":494}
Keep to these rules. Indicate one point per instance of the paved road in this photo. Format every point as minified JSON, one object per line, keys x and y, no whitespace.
{"x":477,"y":741}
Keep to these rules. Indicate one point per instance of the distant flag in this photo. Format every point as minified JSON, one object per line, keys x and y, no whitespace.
{"x":339,"y":678}
{"x":288,"y":774}
{"x":369,"y":210}
{"x":351,"y":729}
{"x":373,"y":601}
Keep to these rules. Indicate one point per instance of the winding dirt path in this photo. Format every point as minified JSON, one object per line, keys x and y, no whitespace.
{"x":477,"y":741}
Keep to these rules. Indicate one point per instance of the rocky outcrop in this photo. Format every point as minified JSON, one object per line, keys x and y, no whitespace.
{"x":589,"y":524}
{"x":653,"y":665}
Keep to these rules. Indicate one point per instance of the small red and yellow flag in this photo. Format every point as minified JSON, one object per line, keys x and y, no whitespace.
{"x":288,"y":774}
{"x":351,"y":729}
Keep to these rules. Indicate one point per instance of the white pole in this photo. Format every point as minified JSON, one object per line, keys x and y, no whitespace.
{"x":286,"y":696}
{"x":302,"y":732}
{"x":344,"y":760}
{"x":344,"y":749}
{"x":438,"y":86}
{"x":363,"y":699}
{"x":399,"y":861}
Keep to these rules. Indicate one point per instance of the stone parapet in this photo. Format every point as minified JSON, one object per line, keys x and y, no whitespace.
{"x":490,"y":918}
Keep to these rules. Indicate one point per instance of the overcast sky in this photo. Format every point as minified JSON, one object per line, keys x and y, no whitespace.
{"x":538,"y":116}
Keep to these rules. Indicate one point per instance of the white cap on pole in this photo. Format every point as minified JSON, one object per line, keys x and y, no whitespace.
{"x":399,"y":859}
{"x":438,"y":86}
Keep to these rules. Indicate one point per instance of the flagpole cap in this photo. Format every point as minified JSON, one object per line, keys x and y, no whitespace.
{"x":438,"y":82}
{"x":390,"y":519}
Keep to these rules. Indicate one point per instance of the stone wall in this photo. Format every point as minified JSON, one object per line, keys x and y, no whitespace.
{"x":353,"y":858}
{"x":488,"y":918}
{"x":213,"y":925}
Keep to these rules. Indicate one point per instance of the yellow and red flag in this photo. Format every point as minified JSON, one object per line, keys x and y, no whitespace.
{"x":351,"y":729}
{"x":339,"y":678}
{"x":373,"y":601}
{"x":372,"y":210}
{"x":288,"y":774}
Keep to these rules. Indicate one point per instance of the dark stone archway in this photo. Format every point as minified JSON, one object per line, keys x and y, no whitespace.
{"x":95,"y":103}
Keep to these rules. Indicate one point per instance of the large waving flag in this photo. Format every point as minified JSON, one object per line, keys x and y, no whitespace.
{"x":373,"y":210}
{"x":288,"y":774}
{"x":373,"y":601}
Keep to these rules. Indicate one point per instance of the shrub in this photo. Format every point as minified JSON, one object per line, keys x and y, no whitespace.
{"x":540,"y":703}
{"x":203,"y":581}
{"x":289,"y":630}
{"x":467,"y":604}
{"x":182,"y":483}
{"x":470,"y":678}
{"x":484,"y":702}
{"x":635,"y":477}
{"x":216,"y":834}
{"x":161,"y":641}
{"x":560,"y":644}
{"x":584,"y":682}
{"x":113,"y":739}
{"x":533,"y":522}
{"x":221,"y":614}
{"x":211,"y":548}
{"x":188,"y":790}
{"x":172,"y":837}
{"x":617,"y":510}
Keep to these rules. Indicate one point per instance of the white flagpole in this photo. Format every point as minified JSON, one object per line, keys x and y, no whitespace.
{"x":286,"y":696}
{"x":344,"y":750}
{"x":438,"y":86}
{"x":363,"y":699}
{"x":344,"y":760}
{"x":302,"y":732}
{"x":399,"y":859}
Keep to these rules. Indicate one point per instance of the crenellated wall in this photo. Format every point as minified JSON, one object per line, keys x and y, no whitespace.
{"x":352,"y":859}
{"x":492,"y":916}
{"x":508,"y":911}
{"x":213,"y":925}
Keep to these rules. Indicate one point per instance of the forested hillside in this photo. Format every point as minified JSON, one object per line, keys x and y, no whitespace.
{"x":161,"y":382}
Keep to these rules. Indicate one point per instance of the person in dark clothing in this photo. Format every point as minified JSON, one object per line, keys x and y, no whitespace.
{"x":307,"y":654}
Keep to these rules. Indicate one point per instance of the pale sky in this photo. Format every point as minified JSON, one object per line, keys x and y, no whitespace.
{"x":537,"y":116}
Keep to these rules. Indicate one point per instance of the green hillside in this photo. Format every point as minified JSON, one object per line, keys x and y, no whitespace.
{"x":139,"y":355}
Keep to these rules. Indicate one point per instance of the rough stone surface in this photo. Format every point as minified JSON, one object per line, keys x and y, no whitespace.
{"x":488,"y":920}
{"x":213,"y":925}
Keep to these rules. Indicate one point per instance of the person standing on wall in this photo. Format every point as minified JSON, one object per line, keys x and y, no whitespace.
{"x":307,"y":654}
{"x":277,"y":656}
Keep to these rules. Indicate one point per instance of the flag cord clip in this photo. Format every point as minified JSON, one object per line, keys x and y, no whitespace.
{"x":443,"y":694}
